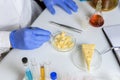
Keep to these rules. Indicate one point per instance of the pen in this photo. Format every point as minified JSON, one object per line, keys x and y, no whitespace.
{"x":66,"y":26}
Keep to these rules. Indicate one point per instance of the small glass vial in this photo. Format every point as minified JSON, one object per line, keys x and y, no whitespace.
{"x":34,"y":69}
{"x":42,"y":73}
{"x":53,"y":76}
{"x":28,"y":74}
{"x":96,"y":20}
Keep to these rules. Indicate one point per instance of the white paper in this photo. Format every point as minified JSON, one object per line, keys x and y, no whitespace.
{"x":113,"y":34}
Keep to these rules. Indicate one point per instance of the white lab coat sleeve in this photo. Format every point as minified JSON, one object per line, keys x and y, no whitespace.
{"x":36,"y":10}
{"x":4,"y":41}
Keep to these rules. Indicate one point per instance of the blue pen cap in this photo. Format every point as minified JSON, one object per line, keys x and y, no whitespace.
{"x":53,"y":75}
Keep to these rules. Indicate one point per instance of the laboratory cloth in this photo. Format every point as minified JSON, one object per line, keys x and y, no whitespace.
{"x":15,"y":14}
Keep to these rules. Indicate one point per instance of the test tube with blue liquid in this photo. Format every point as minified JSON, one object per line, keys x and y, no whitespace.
{"x":28,"y":74}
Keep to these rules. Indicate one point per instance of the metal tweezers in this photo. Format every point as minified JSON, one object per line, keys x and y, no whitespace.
{"x":114,"y":47}
{"x":66,"y":26}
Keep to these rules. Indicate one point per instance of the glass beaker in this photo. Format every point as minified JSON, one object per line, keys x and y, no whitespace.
{"x":107,"y":5}
{"x":96,"y":20}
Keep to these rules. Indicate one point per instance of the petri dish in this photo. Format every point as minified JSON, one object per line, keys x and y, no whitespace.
{"x":78,"y":60}
{"x":63,"y":42}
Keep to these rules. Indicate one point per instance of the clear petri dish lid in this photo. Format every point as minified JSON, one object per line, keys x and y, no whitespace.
{"x":79,"y":61}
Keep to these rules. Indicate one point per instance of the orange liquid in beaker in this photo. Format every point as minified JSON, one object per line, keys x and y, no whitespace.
{"x":96,"y":20}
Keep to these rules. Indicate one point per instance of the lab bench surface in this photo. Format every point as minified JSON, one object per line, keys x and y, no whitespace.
{"x":11,"y":67}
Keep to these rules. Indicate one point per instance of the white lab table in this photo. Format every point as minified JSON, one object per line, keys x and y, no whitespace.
{"x":11,"y":67}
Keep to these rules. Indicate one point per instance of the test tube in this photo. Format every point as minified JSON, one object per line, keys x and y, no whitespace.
{"x":34,"y":69}
{"x":28,"y":74}
{"x":42,"y":73}
{"x":53,"y":76}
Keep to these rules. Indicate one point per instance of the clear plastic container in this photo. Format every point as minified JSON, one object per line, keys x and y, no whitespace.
{"x":63,"y":41}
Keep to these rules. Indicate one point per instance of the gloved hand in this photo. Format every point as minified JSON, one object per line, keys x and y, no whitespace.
{"x":67,"y":5}
{"x":28,"y":38}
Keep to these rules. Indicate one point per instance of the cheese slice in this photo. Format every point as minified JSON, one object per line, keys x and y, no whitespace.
{"x":88,"y":50}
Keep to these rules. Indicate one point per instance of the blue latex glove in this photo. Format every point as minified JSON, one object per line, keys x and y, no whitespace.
{"x":29,"y":38}
{"x":67,"y":5}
